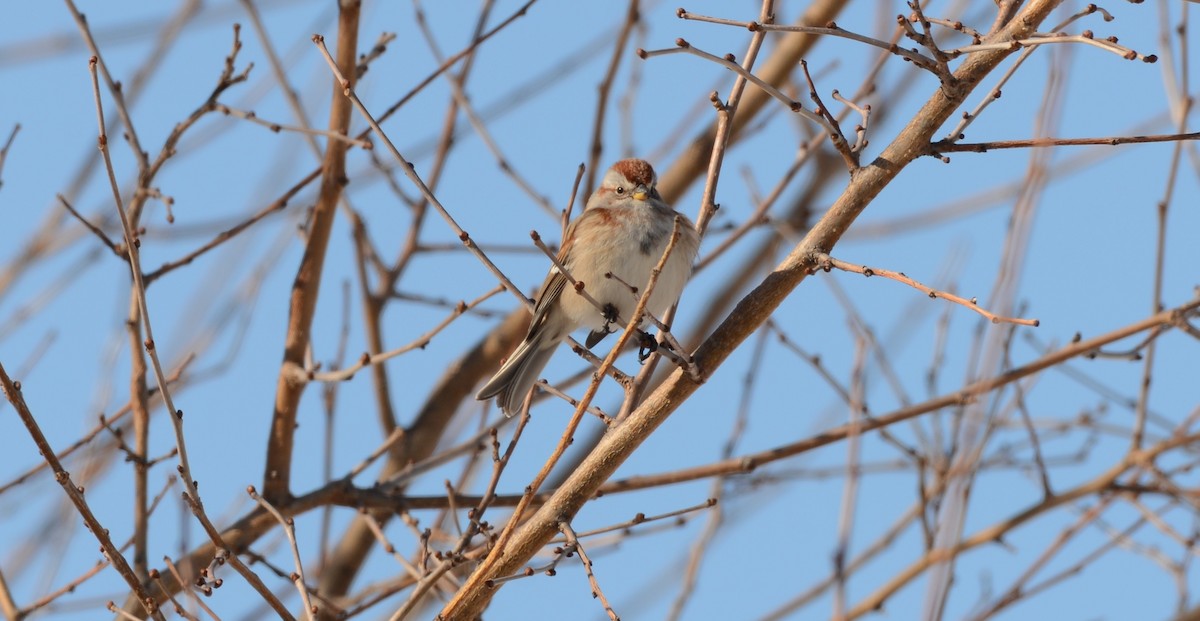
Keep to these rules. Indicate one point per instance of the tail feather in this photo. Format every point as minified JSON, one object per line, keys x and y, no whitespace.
{"x":516,"y":378}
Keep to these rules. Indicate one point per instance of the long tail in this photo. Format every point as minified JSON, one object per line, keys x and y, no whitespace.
{"x":516,"y":378}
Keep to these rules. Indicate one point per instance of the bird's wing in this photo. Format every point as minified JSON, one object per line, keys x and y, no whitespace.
{"x":555,"y":281}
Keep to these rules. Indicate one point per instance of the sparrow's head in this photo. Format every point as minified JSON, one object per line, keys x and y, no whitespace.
{"x":630,"y":179}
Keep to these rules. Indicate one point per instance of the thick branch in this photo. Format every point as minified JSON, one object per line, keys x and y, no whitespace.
{"x":277,"y":478}
{"x":748,"y":316}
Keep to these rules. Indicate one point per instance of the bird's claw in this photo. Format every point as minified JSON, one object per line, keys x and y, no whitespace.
{"x":610,"y":315}
{"x":647,"y":345}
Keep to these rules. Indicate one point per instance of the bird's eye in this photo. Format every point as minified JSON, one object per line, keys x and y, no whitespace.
{"x":620,"y":189}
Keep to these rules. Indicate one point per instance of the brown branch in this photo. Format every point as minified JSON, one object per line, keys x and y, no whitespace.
{"x":409,"y":171}
{"x":994,"y":93}
{"x":418,"y":441}
{"x":256,"y":523}
{"x":4,"y":150}
{"x":8,"y":606}
{"x":100,"y":234}
{"x":722,"y":137}
{"x":114,"y":88}
{"x":726,"y":117}
{"x":1020,"y":586}
{"x":632,"y":17}
{"x":683,"y":47}
{"x":132,"y":244}
{"x":277,"y":205}
{"x":421,"y":342}
{"x":223,"y":553}
{"x":307,"y":285}
{"x":748,"y":463}
{"x":289,"y":528}
{"x":41,"y":243}
{"x":480,"y":127}
{"x":751,"y":312}
{"x":947,"y":146}
{"x":831,"y":125}
{"x":776,"y":70}
{"x":139,"y":400}
{"x":497,"y":555}
{"x":289,"y":92}
{"x":997,"y":531}
{"x":249,"y":115}
{"x":1037,"y":39}
{"x":828,"y":28}
{"x":12,"y":391}
{"x":826,"y":262}
{"x":574,"y":545}
{"x":89,"y":436}
{"x":189,"y":591}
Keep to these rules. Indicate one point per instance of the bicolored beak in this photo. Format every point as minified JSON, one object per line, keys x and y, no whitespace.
{"x":640,"y":193}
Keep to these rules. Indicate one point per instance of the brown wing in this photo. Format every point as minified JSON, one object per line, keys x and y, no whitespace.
{"x":554,"y":284}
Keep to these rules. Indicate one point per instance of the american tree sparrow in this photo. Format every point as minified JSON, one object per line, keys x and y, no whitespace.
{"x":623,"y":231}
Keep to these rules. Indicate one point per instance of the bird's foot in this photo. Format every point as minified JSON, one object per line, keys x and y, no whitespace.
{"x":610,"y":317}
{"x":647,"y":345}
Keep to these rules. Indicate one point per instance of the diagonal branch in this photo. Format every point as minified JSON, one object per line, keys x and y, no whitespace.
{"x":750,"y":313}
{"x":12,"y":390}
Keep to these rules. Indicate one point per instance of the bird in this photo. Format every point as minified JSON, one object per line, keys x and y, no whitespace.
{"x":623,"y":231}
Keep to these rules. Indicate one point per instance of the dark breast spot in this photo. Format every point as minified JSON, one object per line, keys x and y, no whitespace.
{"x":649,"y":241}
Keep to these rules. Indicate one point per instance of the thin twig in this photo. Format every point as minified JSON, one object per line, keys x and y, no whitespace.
{"x":420,"y":342}
{"x":410,"y":172}
{"x":12,"y":391}
{"x":188,"y":589}
{"x":827,"y":262}
{"x":860,"y":131}
{"x":114,"y":88}
{"x":846,"y":514}
{"x":926,"y":39}
{"x":289,"y":529}
{"x":4,"y":150}
{"x":117,"y":250}
{"x":572,"y":401}
{"x":249,"y":115}
{"x":568,"y":434}
{"x":278,"y":204}
{"x":597,"y":592}
{"x":377,"y":530}
{"x":566,"y":213}
{"x":949,"y":146}
{"x":176,"y":416}
{"x":1045,"y":39}
{"x":632,"y":17}
{"x":832,"y":127}
{"x":831,"y":30}
{"x":994,"y":93}
{"x":683,"y":47}
{"x":722,"y":134}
